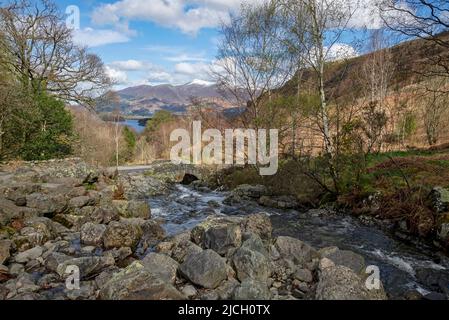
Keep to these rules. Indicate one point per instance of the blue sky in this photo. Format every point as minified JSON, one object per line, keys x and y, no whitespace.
{"x":158,"y":41}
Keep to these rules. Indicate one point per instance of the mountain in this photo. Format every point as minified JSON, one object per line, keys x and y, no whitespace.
{"x":145,"y":100}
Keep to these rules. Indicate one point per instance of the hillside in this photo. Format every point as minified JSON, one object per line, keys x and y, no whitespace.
{"x":408,"y":66}
{"x":146,"y":100}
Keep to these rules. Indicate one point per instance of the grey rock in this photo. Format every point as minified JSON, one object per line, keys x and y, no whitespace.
{"x":341,"y":283}
{"x":184,"y":249}
{"x":251,"y":264}
{"x":303,"y":275}
{"x":88,"y":266}
{"x":29,"y":255}
{"x":92,"y":234}
{"x":349,"y":259}
{"x":132,"y":209}
{"x":80,"y":202}
{"x":252,"y":290}
{"x":5,"y":247}
{"x":162,"y":266}
{"x":259,"y":224}
{"x":440,"y":199}
{"x":122,"y":234}
{"x":206,"y":269}
{"x":295,"y":250}
{"x":251,"y":192}
{"x":137,"y":283}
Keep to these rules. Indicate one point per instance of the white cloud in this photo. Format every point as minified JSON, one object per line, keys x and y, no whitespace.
{"x":98,"y":37}
{"x":132,"y":65}
{"x":187,"y":15}
{"x":118,"y":76}
{"x":340,"y":51}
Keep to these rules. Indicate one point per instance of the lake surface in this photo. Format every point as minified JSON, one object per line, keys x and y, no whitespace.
{"x":134,"y":124}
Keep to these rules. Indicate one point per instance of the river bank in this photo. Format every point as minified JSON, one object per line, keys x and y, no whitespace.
{"x":142,"y":236}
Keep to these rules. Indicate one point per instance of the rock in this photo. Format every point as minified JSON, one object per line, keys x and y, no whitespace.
{"x":222,"y":238}
{"x":162,"y":266}
{"x":303,"y":275}
{"x":54,"y":259}
{"x":251,"y":192}
{"x":184,"y":249}
{"x":206,"y":269}
{"x":189,"y":291}
{"x":341,"y":283}
{"x":226,"y":290}
{"x":87,"y":291}
{"x":443,"y":234}
{"x":349,"y":259}
{"x":5,"y":247}
{"x":92,"y":234}
{"x":104,"y":214}
{"x":47,"y":204}
{"x":152,"y":233}
{"x":325,"y":263}
{"x":88,"y":266}
{"x":132,"y":209}
{"x":435,"y":296}
{"x":251,"y":264}
{"x":9,"y":212}
{"x":254,"y":243}
{"x":259,"y":224}
{"x":29,"y":255}
{"x":440,"y":199}
{"x":295,"y":250}
{"x":282,"y":202}
{"x":436,"y":281}
{"x":138,"y":283}
{"x":119,"y":254}
{"x":252,"y":290}
{"x":80,"y":202}
{"x":122,"y":234}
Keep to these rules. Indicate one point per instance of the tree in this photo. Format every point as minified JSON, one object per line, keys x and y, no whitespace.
{"x":252,"y":59}
{"x":50,"y":132}
{"x":41,"y":52}
{"x":422,"y":19}
{"x":130,"y":144}
{"x":434,"y":106}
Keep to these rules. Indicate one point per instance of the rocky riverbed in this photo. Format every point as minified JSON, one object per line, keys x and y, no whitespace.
{"x":58,"y":215}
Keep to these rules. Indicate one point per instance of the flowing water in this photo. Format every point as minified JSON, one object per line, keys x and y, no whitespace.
{"x":399,"y":263}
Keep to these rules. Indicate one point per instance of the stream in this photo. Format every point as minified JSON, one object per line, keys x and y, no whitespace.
{"x":403,"y":267}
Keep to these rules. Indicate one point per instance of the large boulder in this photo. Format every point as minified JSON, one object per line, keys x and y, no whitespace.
{"x":183,"y":249}
{"x":88,"y":266}
{"x":251,"y":264}
{"x":132,"y":209}
{"x":341,"y":283}
{"x":47,"y":204}
{"x":28,"y":255}
{"x":349,"y":259}
{"x":10,"y":211}
{"x":295,"y":250}
{"x":162,"y":266}
{"x":5,"y":247}
{"x":138,"y":283}
{"x":218,"y":234}
{"x":122,"y":234}
{"x":252,"y":290}
{"x":259,"y":224}
{"x":92,"y":234}
{"x":80,"y":202}
{"x":206,"y":269}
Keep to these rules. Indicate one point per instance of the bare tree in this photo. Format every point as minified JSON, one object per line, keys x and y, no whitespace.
{"x":422,"y":19}
{"x":434,"y":106}
{"x":45,"y":56}
{"x":376,"y":79}
{"x":252,"y":59}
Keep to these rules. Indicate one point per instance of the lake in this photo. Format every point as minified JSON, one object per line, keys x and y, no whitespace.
{"x":134,"y":124}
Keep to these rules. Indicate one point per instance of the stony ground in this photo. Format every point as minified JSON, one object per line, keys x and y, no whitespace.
{"x":61,"y":214}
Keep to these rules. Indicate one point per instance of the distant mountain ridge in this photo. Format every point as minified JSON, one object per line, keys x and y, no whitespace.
{"x":145,"y":100}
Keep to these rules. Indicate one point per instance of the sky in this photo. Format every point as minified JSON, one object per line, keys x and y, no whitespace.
{"x":161,"y":41}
